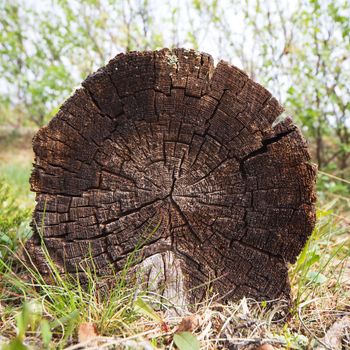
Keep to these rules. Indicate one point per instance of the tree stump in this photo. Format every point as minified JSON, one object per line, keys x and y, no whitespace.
{"x":163,"y":153}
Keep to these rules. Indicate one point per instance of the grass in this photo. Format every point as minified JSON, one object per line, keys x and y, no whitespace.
{"x":49,"y":314}
{"x":38,"y":315}
{"x":16,"y":157}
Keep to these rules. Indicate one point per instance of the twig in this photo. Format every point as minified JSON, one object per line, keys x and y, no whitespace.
{"x":310,"y":332}
{"x":333,"y":176}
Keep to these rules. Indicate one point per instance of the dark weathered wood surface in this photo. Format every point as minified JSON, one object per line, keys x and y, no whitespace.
{"x":165,"y":138}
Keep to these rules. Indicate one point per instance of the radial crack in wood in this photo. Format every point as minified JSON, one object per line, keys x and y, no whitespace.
{"x":163,"y":153}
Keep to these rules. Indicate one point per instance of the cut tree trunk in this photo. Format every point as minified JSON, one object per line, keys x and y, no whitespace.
{"x":164,"y":160}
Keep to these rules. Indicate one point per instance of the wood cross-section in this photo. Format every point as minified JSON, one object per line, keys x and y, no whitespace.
{"x":166,"y":139}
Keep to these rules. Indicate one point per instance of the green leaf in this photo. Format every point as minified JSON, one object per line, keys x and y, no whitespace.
{"x":186,"y":341}
{"x":46,"y":334}
{"x":67,"y":319}
{"x":291,"y":90}
{"x":144,"y":308}
{"x":23,"y":321}
{"x":312,"y":259}
{"x":316,"y":277}
{"x":197,"y":5}
{"x":15,"y":344}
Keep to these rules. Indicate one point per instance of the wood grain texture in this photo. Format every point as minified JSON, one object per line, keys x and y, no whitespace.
{"x":165,"y":138}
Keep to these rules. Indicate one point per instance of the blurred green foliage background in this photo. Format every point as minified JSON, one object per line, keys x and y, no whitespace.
{"x":299,"y":50}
